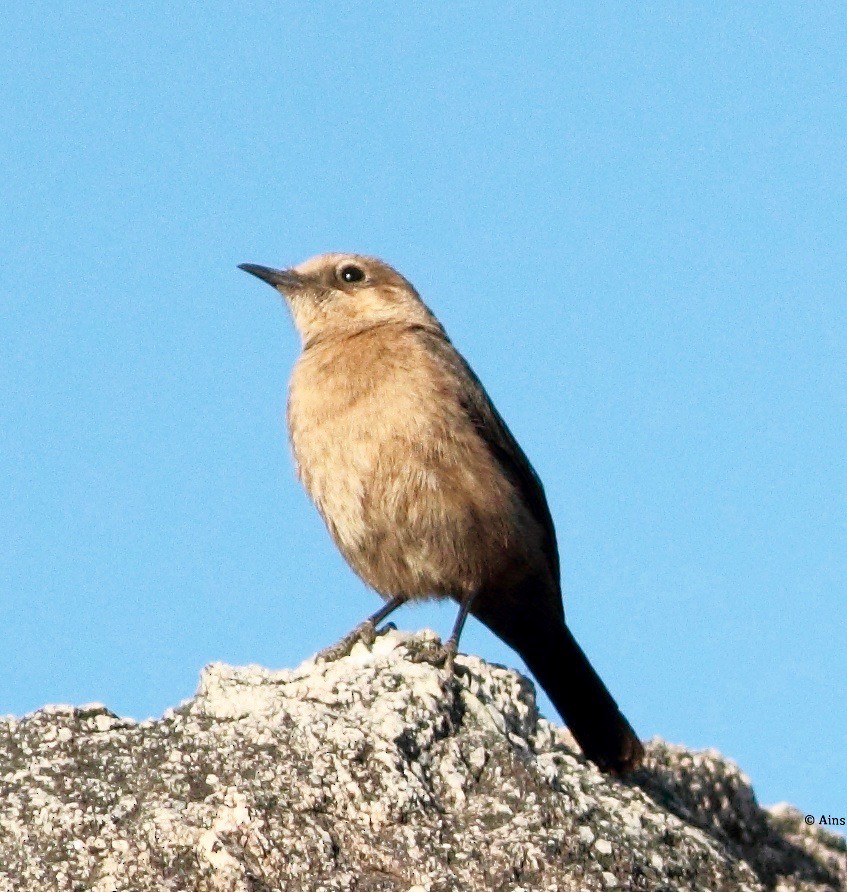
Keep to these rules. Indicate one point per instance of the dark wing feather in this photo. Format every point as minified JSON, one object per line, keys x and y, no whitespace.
{"x":502,"y":444}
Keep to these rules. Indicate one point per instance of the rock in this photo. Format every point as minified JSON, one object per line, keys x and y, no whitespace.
{"x":376,"y":773}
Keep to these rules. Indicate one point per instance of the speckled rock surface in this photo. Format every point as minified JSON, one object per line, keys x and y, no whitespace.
{"x":375,"y":773}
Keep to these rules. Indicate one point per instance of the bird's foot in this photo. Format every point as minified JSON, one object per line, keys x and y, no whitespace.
{"x":366,"y":633}
{"x":443,"y":655}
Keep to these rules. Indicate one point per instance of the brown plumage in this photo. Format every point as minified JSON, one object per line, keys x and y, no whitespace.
{"x":421,"y":484}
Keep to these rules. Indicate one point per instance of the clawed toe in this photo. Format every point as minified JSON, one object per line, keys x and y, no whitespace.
{"x":366,"y":633}
{"x":433,"y":652}
{"x":442,"y":655}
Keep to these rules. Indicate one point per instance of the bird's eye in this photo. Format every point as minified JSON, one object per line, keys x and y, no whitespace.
{"x":351,"y":273}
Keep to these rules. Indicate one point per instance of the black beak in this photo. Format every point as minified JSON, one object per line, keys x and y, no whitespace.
{"x":280,"y":278}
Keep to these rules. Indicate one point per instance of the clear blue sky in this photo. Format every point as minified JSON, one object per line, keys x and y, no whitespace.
{"x":633,"y":222}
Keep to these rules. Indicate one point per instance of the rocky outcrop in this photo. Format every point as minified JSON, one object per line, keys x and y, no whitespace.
{"x":376,"y":772}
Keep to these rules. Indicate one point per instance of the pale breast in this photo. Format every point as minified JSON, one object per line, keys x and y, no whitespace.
{"x":408,"y":490}
{"x":345,"y":403}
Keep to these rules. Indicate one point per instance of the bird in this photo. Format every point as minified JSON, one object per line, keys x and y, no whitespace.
{"x":423,"y":487}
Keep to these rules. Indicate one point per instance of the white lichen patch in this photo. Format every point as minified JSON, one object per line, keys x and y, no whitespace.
{"x":378,"y":772}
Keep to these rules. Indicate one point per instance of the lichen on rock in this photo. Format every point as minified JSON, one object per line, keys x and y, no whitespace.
{"x":375,"y":772}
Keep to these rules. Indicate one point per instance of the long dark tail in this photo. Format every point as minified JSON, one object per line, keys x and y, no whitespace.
{"x":562,"y":669}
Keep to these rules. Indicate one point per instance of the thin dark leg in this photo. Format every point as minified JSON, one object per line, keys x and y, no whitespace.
{"x":451,"y":648}
{"x":464,"y":610}
{"x":364,"y":632}
{"x":386,"y":610}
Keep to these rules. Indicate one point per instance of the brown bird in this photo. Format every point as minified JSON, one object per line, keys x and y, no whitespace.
{"x":423,"y":487}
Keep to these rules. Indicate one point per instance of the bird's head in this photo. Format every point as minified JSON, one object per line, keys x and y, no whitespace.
{"x":340,"y":294}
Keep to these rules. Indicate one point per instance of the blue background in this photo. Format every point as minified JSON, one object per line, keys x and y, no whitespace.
{"x":631,"y":220}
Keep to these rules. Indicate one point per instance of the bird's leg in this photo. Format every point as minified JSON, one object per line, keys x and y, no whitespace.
{"x":364,"y":632}
{"x":445,"y":654}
